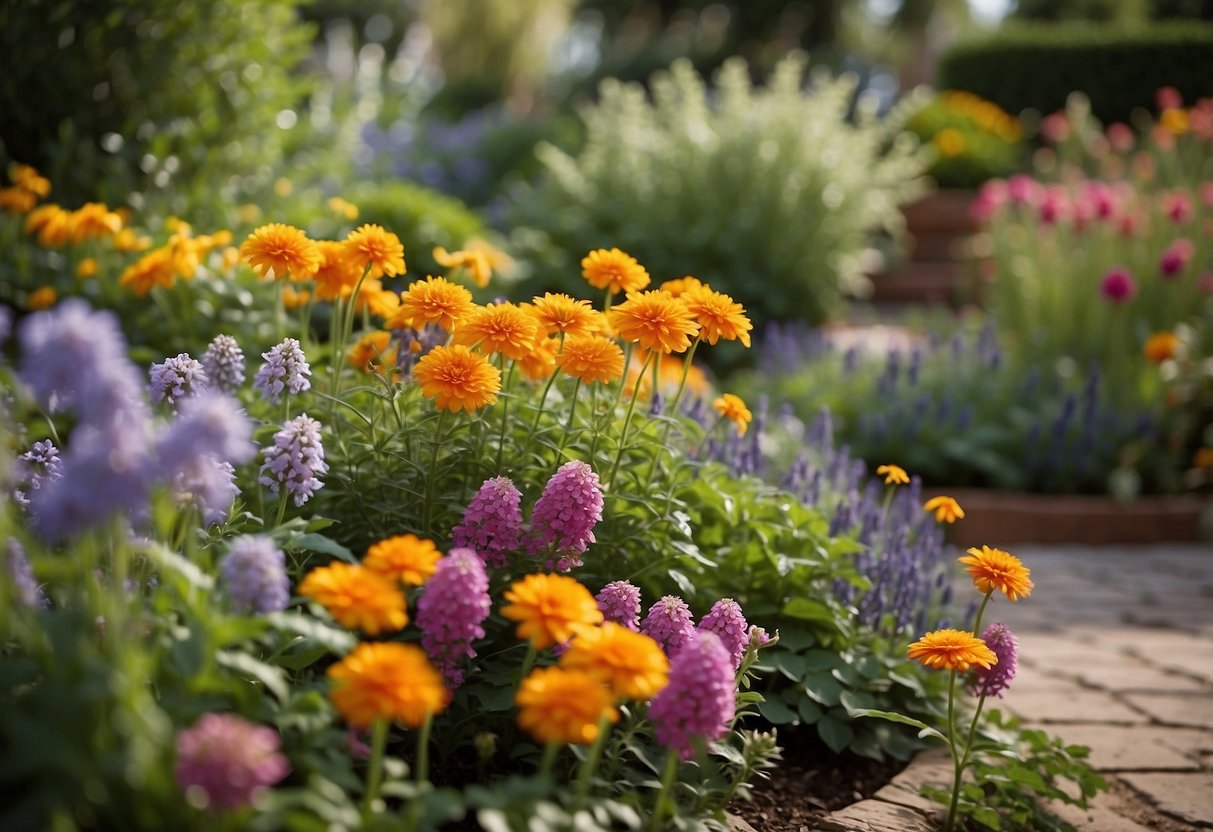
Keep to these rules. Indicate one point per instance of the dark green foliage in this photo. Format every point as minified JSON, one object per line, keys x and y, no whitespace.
{"x":130,"y":95}
{"x":1036,"y":67}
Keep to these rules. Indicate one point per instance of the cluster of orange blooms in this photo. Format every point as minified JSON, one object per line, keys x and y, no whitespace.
{"x":985,"y":114}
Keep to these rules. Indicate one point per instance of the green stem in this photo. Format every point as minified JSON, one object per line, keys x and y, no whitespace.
{"x":682,"y":382}
{"x":505,"y":409}
{"x":532,"y":653}
{"x":549,"y":759}
{"x":423,"y":750}
{"x":568,"y":426}
{"x":347,"y":326}
{"x":957,"y":770}
{"x":667,"y":786}
{"x":547,"y":388}
{"x":282,"y":498}
{"x":981,"y":611}
{"x":430,"y":474}
{"x":627,"y":421}
{"x":586,"y":772}
{"x":374,"y":774}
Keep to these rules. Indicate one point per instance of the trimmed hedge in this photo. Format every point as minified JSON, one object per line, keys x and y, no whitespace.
{"x":1036,"y":66}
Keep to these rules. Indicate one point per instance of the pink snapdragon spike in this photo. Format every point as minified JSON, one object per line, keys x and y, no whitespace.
{"x":669,"y":624}
{"x":452,"y":610}
{"x":995,"y":680}
{"x":727,"y":621}
{"x":1024,"y":190}
{"x":619,"y":601}
{"x":700,"y":699}
{"x":1118,"y":286}
{"x":563,"y":520}
{"x":492,"y":523}
{"x":224,"y":761}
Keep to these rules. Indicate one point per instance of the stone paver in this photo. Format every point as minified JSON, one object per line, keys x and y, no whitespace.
{"x":1189,"y":709}
{"x":1185,"y":796}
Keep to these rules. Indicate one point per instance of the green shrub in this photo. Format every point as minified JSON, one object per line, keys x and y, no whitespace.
{"x":111,"y":98}
{"x":770,"y":194}
{"x":1036,"y":67}
{"x":973,"y":139}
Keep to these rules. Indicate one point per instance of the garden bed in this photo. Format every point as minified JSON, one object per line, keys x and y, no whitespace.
{"x":1011,"y":517}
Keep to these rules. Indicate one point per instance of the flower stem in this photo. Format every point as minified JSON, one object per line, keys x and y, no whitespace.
{"x":505,"y":409}
{"x":568,"y":426}
{"x":423,"y":750}
{"x":374,"y":774}
{"x":627,"y":421}
{"x":667,"y":786}
{"x":981,"y":611}
{"x":957,"y":770}
{"x":531,"y":653}
{"x":281,"y":506}
{"x":429,"y":474}
{"x":586,"y":773}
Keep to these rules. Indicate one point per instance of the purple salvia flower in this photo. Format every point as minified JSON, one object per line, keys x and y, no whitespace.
{"x":620,"y":602}
{"x":209,"y":424}
{"x":224,"y":363}
{"x":207,"y":483}
{"x":451,"y":610}
{"x":25,"y":586}
{"x":285,"y":368}
{"x":73,"y":357}
{"x":728,"y":623}
{"x":254,"y":575}
{"x":295,"y":460}
{"x":224,"y":761}
{"x":669,"y":623}
{"x":699,"y":701}
{"x":995,"y":680}
{"x":36,"y":467}
{"x":564,"y":516}
{"x":175,"y":379}
{"x":492,"y":523}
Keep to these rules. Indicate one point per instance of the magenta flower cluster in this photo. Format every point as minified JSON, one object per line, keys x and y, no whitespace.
{"x":995,"y":680}
{"x":452,"y":610}
{"x":296,"y":459}
{"x":223,"y":362}
{"x":727,"y":621}
{"x":254,"y":575}
{"x":285,"y":369}
{"x":175,"y":379}
{"x":698,"y":703}
{"x":563,"y":520}
{"x":619,"y":601}
{"x":224,"y":761}
{"x":492,"y":523}
{"x":669,"y":623}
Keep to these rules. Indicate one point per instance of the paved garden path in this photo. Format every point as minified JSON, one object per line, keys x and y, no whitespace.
{"x":1116,"y":653}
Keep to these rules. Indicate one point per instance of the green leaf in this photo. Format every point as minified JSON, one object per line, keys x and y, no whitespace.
{"x":338,"y":641}
{"x":807,"y":609}
{"x":823,"y":687}
{"x":924,"y":730}
{"x":808,"y":710}
{"x":776,"y":713}
{"x":272,"y":677}
{"x":313,"y":542}
{"x":835,"y":733}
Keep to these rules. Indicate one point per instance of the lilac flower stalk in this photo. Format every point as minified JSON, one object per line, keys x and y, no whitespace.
{"x":619,"y":601}
{"x":492,"y":523}
{"x":451,"y":610}
{"x":726,"y":620}
{"x":223,"y":362}
{"x":210,"y":424}
{"x":254,"y":575}
{"x":995,"y":680}
{"x":285,"y":369}
{"x":224,"y":761}
{"x":699,"y":701}
{"x":208,"y":484}
{"x":25,"y":585}
{"x":175,"y":379}
{"x":564,"y":516}
{"x":38,"y":466}
{"x":669,"y":623}
{"x":296,"y":459}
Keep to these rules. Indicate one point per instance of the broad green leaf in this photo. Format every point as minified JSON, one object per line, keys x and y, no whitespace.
{"x":924,"y":730}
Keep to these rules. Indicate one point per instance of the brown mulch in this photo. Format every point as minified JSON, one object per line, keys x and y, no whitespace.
{"x":810,"y":783}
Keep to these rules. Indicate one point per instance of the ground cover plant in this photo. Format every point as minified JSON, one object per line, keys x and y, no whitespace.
{"x":427,"y":562}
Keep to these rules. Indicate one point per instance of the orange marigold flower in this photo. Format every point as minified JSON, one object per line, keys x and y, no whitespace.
{"x":374,"y":352}
{"x":380,"y":302}
{"x":557,"y":705}
{"x":614,"y":271}
{"x":128,"y":239}
{"x":591,"y":358}
{"x":279,"y":251}
{"x":893,"y":474}
{"x":499,"y":328}
{"x":94,"y":219}
{"x":995,"y":569}
{"x":43,"y":297}
{"x":28,"y":178}
{"x":562,"y":313}
{"x":52,"y":225}
{"x":633,"y":665}
{"x":682,"y":285}
{"x":656,"y":320}
{"x":1203,"y":458}
{"x":952,"y":650}
{"x":457,"y":378}
{"x":540,"y":362}
{"x":356,"y":597}
{"x":475,"y":262}
{"x":342,"y":208}
{"x":406,"y":558}
{"x":387,"y":680}
{"x":719,"y":316}
{"x":87,"y":268}
{"x":337,"y":273}
{"x":293,"y":298}
{"x":549,"y":608}
{"x":946,"y":509}
{"x":152,"y":269}
{"x":381,"y":249}
{"x":434,"y":300}
{"x":733,"y":408}
{"x":1160,"y":346}
{"x":17,"y":200}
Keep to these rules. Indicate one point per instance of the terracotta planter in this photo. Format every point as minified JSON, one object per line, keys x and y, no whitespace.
{"x":998,"y":518}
